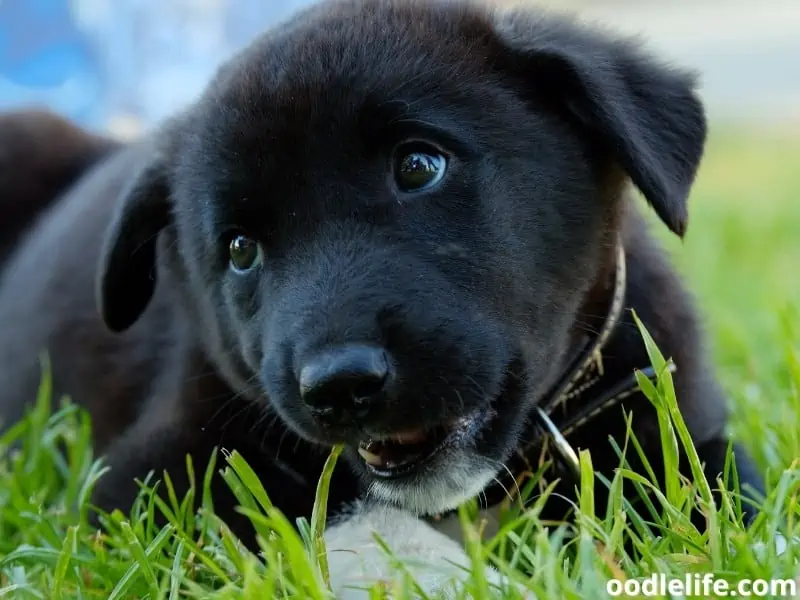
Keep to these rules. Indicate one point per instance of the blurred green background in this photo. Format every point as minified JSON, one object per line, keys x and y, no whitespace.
{"x":741,"y":254}
{"x":742,"y":258}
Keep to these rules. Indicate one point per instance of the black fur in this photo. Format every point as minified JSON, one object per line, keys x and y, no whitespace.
{"x":476,"y":288}
{"x":41,"y":154}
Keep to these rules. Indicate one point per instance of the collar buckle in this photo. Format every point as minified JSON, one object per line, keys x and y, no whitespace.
{"x":564,"y":449}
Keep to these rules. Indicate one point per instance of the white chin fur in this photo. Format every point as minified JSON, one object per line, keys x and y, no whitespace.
{"x":441,"y":491}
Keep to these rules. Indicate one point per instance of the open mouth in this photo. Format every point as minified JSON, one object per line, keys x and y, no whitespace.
{"x":399,"y":454}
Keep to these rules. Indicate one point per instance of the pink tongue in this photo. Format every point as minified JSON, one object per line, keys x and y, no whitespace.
{"x":370,"y":458}
{"x":409,"y":437}
{"x":397,"y":449}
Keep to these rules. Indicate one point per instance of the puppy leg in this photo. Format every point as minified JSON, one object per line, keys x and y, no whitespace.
{"x":435,"y":560}
{"x":161,"y":439}
{"x":356,"y":561}
{"x":156,"y":448}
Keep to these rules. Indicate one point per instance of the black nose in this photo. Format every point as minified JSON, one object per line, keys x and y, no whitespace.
{"x":340,"y":383}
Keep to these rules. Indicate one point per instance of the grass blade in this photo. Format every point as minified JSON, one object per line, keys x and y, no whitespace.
{"x":320,"y":513}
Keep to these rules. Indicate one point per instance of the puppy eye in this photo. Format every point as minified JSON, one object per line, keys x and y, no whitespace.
{"x":245,"y":253}
{"x":418,"y":167}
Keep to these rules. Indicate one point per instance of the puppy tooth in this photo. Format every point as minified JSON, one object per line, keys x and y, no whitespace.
{"x":370,"y":457}
{"x":370,"y":445}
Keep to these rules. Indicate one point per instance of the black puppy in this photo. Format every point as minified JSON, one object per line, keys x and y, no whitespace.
{"x":400,"y":225}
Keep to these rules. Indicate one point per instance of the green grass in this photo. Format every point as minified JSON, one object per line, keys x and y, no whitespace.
{"x":741,"y":258}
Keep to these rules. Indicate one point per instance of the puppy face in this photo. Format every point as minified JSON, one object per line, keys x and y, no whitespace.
{"x":386,"y":215}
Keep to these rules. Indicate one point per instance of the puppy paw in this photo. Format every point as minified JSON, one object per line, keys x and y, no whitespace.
{"x":433,"y":561}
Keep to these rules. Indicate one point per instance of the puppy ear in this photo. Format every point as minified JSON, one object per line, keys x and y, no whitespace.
{"x":645,"y":114}
{"x":127,"y":271}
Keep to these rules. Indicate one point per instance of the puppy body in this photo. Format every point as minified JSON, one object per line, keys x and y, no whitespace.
{"x":41,"y":154}
{"x":70,"y":233}
{"x":478,"y":289}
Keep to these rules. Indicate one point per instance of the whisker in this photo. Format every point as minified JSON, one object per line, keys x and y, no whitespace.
{"x":505,"y":490}
{"x":497,"y":480}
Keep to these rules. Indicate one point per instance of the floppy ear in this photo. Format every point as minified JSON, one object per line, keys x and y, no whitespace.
{"x":645,"y":114}
{"x":127,"y":270}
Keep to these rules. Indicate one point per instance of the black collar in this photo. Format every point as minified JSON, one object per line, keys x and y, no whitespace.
{"x":582,"y":393}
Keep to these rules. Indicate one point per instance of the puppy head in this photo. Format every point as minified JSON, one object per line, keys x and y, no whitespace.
{"x":387,"y":214}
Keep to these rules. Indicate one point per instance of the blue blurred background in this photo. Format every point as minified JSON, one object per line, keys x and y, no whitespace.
{"x":121,"y":64}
